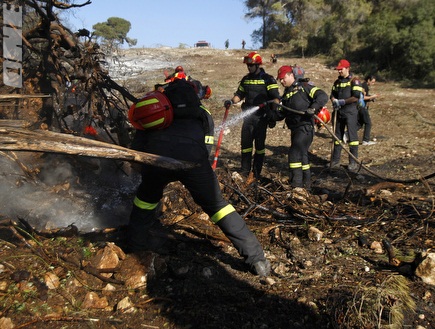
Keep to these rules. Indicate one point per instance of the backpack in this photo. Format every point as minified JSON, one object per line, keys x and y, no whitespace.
{"x":184,"y":99}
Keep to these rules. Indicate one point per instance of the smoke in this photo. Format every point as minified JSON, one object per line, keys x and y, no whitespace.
{"x":89,"y":193}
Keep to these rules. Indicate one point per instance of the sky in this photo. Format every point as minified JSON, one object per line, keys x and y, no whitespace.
{"x":171,"y":23}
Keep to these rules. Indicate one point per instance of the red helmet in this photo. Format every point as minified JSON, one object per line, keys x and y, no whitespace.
{"x":324,"y":115}
{"x":177,"y":75}
{"x":253,"y":58}
{"x":179,"y":68}
{"x":208,"y":92}
{"x":154,"y":111}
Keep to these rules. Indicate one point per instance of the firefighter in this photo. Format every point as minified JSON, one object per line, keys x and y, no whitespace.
{"x":256,"y":88}
{"x":364,"y":120}
{"x":183,"y":139}
{"x":204,"y":92}
{"x":300,"y":95}
{"x":345,"y":94}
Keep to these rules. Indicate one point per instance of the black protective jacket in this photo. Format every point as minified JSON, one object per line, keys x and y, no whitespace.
{"x":256,"y":89}
{"x":185,"y":139}
{"x":344,"y":88}
{"x":301,"y":96}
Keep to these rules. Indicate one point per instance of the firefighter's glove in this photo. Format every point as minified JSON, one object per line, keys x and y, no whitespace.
{"x":228,"y":103}
{"x":271,"y":124}
{"x":337,"y":103}
{"x":311,"y":112}
{"x":262,"y":105}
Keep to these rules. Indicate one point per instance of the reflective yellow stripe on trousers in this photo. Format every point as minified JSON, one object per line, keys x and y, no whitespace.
{"x":222,"y":213}
{"x":144,"y":205}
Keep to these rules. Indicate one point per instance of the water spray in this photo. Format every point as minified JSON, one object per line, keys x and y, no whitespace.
{"x":236,"y":118}
{"x":225,"y":124}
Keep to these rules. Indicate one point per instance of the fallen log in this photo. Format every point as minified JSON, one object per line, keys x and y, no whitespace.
{"x":15,"y":135}
{"x":19,"y":96}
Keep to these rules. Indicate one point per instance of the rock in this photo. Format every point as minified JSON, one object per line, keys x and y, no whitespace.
{"x":182,"y":270}
{"x":6,"y":323}
{"x":125,"y":306}
{"x":314,"y":234}
{"x":3,"y":285}
{"x":118,"y":251}
{"x":376,"y":246}
{"x":108,"y":288}
{"x":426,"y":269}
{"x":269,"y":281}
{"x":237,"y":178}
{"x":136,"y":280}
{"x":51,"y":280}
{"x":92,"y":300}
{"x":207,"y":272}
{"x":136,"y":269}
{"x":106,"y":258}
{"x":300,"y":194}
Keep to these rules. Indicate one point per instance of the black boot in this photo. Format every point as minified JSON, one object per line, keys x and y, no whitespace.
{"x":296,"y":177}
{"x":258,"y":164}
{"x":246,"y":243}
{"x":353,"y":165}
{"x":144,"y":230}
{"x":306,"y":174}
{"x":336,"y":154}
{"x":246,"y":163}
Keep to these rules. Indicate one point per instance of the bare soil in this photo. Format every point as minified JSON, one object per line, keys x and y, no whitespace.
{"x":327,"y":277}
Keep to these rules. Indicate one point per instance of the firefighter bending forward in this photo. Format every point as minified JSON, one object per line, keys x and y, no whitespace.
{"x":184,"y":140}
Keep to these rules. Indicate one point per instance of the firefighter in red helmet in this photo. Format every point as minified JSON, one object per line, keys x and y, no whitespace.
{"x":204,"y":92}
{"x":345,"y":94}
{"x":183,"y":140}
{"x":255,"y":89}
{"x":302,"y":96}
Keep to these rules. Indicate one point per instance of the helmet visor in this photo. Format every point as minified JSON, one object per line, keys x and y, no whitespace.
{"x":248,"y":60}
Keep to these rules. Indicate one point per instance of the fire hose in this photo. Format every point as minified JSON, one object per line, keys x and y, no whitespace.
{"x":352,"y":156}
{"x":221,"y":135}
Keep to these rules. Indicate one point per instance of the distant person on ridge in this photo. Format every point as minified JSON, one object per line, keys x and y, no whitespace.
{"x":273,"y":58}
{"x":256,"y":88}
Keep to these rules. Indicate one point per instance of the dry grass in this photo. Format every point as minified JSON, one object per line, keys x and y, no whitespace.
{"x":383,"y":305}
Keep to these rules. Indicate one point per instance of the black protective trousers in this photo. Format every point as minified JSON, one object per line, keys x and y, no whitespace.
{"x":203,"y":185}
{"x":346,"y":118}
{"x":299,"y":164}
{"x":365,"y":121}
{"x":254,"y":130}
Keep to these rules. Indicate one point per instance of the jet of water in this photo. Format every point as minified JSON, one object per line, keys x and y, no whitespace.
{"x":236,"y":118}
